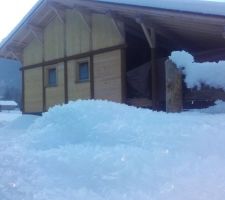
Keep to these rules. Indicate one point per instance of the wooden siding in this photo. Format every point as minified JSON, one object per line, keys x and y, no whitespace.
{"x":61,"y":42}
{"x":104,"y":32}
{"x":32,"y":54}
{"x":55,"y":95}
{"x":33,"y":91}
{"x":54,"y":40}
{"x":107,"y":76}
{"x":78,"y":35}
{"x":77,"y":90}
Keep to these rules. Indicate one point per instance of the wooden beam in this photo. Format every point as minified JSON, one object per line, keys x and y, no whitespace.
{"x":37,"y":32}
{"x":59,"y":12}
{"x":86,"y":18}
{"x":92,"y":81}
{"x":66,"y":91}
{"x":150,"y":40}
{"x":154,"y":72}
{"x":116,"y":24}
{"x":165,"y":33}
{"x":11,"y":53}
{"x":43,"y":89}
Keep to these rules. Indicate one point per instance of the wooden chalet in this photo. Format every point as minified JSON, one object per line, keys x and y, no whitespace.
{"x":86,"y":49}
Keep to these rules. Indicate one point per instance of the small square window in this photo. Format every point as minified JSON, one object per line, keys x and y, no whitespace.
{"x":52,"y":80}
{"x":83,"y":71}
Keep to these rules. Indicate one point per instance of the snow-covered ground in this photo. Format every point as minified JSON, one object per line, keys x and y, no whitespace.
{"x":8,"y":116}
{"x":106,"y":151}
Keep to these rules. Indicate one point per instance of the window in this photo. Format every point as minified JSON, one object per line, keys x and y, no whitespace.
{"x":83,"y":71}
{"x":52,"y":81}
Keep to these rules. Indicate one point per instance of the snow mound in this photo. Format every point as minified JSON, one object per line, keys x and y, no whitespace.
{"x":196,"y":74}
{"x":100,"y":150}
{"x":218,"y":108}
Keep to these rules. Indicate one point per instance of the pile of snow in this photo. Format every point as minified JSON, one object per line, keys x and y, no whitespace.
{"x":8,"y":103}
{"x":196,"y":74}
{"x":218,"y":108}
{"x":100,"y":150}
{"x":8,"y":116}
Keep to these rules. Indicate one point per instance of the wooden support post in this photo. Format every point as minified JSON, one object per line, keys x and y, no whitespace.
{"x":44,"y":108}
{"x":154,"y":73}
{"x":174,"y":97}
{"x":151,"y":38}
{"x":92,"y":77}
{"x":66,"y":92}
{"x":43,"y":90}
{"x":123,"y":74}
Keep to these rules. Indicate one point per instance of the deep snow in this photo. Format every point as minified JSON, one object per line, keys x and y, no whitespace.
{"x":101,"y":150}
{"x":198,"y":74}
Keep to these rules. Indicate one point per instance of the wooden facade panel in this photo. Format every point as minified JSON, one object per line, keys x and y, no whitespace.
{"x":104,"y":32}
{"x":33,"y":90}
{"x":54,"y":40}
{"x":77,"y":90}
{"x":78,"y":35}
{"x":107,"y":76}
{"x":55,"y":95}
{"x":32,"y":53}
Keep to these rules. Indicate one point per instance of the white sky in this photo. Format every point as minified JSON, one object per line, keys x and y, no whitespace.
{"x":11,"y":13}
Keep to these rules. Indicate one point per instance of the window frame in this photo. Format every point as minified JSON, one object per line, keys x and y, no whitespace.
{"x":77,"y":70}
{"x":47,"y":77}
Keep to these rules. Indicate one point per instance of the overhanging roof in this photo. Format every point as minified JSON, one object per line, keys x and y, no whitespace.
{"x":177,"y":24}
{"x":195,"y":6}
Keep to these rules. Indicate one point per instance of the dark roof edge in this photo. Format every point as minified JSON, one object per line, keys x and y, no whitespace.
{"x":161,"y":9}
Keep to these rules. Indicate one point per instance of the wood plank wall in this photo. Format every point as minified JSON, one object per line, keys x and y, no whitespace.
{"x":33,"y":53}
{"x":64,"y":40}
{"x":55,"y":95}
{"x":33,"y":91}
{"x":107,"y":76}
{"x":77,"y":90}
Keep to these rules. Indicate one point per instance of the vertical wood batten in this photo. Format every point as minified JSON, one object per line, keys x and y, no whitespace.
{"x":123,"y":74}
{"x":92,"y":81}
{"x":150,"y":36}
{"x":92,"y":77}
{"x":154,"y":70}
{"x":43,"y":89}
{"x":66,"y":91}
{"x":23,"y":91}
{"x":43,"y":74}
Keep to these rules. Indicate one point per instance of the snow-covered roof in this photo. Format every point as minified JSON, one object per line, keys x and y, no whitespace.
{"x":8,"y":103}
{"x":214,"y":7}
